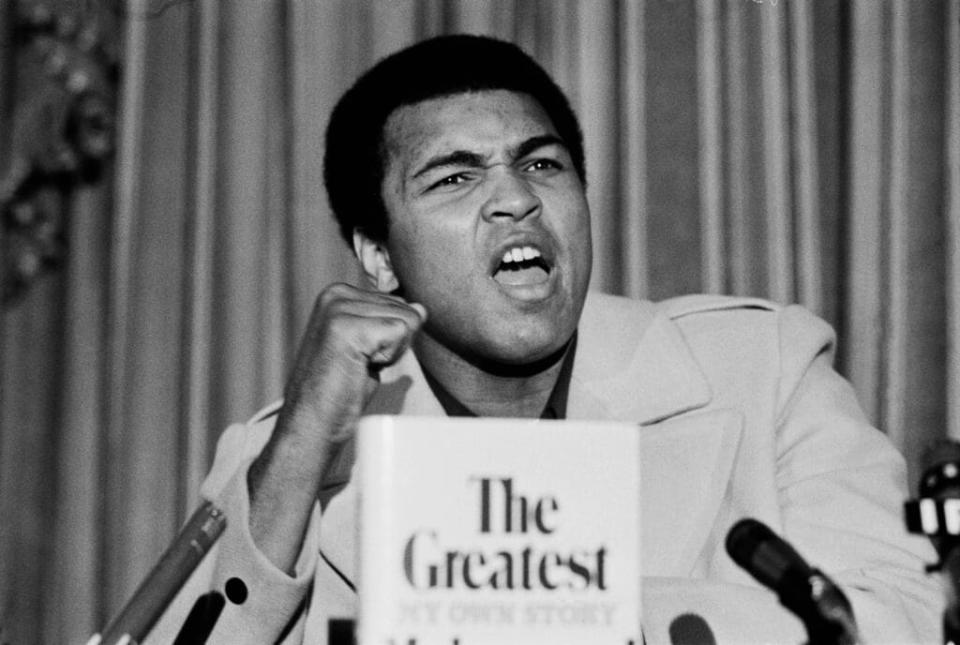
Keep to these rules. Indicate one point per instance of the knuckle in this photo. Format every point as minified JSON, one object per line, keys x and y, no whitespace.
{"x":397,"y":328}
{"x":332,"y":293}
{"x":343,"y":325}
{"x":414,"y":318}
{"x":381,"y":336}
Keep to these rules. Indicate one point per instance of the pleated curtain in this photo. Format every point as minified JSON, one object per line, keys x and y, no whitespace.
{"x":795,"y":150}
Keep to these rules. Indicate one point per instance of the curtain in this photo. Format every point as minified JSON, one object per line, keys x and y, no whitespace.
{"x":800,"y":151}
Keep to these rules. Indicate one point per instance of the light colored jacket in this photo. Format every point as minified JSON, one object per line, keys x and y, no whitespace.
{"x":740,"y":414}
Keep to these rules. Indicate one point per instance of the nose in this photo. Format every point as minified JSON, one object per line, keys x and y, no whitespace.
{"x":510,"y":196}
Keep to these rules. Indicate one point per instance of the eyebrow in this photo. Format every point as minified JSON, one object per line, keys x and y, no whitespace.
{"x":535,"y":143}
{"x":475,"y":160}
{"x":455,"y":158}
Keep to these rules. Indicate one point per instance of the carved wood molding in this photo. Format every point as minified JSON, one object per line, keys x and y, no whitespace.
{"x":64,"y":83}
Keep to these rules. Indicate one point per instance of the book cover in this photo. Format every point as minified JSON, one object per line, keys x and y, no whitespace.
{"x":477,"y":531}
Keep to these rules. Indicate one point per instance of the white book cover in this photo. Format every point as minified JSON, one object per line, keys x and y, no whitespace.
{"x":482,"y":531}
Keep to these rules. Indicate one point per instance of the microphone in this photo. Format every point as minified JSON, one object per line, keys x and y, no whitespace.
{"x":691,"y":629}
{"x":807,"y":592}
{"x":162,"y":583}
{"x":937,"y":514}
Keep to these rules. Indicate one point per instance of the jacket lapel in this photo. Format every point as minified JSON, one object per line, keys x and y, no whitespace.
{"x":685,"y":467}
{"x":634,"y":365}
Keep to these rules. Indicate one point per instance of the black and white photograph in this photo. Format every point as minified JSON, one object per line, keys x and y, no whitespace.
{"x":477,"y":322}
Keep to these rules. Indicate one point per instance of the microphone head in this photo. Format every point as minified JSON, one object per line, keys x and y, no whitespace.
{"x":941,"y":470}
{"x":763,"y":553}
{"x":691,"y":629}
{"x":744,"y":536}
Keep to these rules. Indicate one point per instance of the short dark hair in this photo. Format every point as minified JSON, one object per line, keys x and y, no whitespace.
{"x":354,"y":164}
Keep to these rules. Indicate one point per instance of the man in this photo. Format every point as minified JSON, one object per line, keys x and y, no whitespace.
{"x":456,"y":171}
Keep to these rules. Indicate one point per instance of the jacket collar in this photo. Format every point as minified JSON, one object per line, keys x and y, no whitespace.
{"x":632,"y":364}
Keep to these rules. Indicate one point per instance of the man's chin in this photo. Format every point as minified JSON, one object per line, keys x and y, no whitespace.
{"x":523,"y":359}
{"x":508,"y":347}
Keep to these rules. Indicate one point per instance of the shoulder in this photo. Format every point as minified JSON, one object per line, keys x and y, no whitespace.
{"x":690,"y":309}
{"x":789,"y":323}
{"x":726,"y":325}
{"x":745,"y":345}
{"x":792,"y":330}
{"x":681,"y":306}
{"x":731,"y":333}
{"x":700,"y":304}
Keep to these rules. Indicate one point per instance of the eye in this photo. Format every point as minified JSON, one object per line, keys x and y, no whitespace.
{"x":543,"y":164}
{"x":450,"y":180}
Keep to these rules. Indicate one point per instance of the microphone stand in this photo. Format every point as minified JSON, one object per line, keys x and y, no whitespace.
{"x":936,"y":514}
{"x":950,"y":567}
{"x":162,"y":583}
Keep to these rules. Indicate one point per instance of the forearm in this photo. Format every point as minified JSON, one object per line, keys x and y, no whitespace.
{"x":283,"y":482}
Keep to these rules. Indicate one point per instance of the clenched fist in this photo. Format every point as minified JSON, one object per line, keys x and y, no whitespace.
{"x":351,"y":335}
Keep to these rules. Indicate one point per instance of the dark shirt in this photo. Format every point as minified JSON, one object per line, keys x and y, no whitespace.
{"x":556,"y":407}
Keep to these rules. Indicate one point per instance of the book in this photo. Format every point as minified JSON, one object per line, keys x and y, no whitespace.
{"x":481,"y":531}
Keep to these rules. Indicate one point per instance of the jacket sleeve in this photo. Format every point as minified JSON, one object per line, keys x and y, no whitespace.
{"x":271,"y":611}
{"x":841,"y":485}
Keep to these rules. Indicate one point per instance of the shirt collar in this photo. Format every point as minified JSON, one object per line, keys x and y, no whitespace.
{"x":556,"y":407}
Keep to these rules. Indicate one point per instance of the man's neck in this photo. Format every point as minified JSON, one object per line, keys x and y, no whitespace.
{"x":504,"y":393}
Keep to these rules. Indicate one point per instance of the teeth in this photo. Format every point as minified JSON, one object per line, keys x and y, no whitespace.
{"x":519,"y":254}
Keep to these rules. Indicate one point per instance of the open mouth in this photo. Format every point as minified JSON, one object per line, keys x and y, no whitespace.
{"x":522,"y":265}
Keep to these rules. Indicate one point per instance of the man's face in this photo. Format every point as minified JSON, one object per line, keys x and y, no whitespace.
{"x":489,"y":224}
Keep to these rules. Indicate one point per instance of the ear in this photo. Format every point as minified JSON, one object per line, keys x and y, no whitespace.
{"x":375,"y":260}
